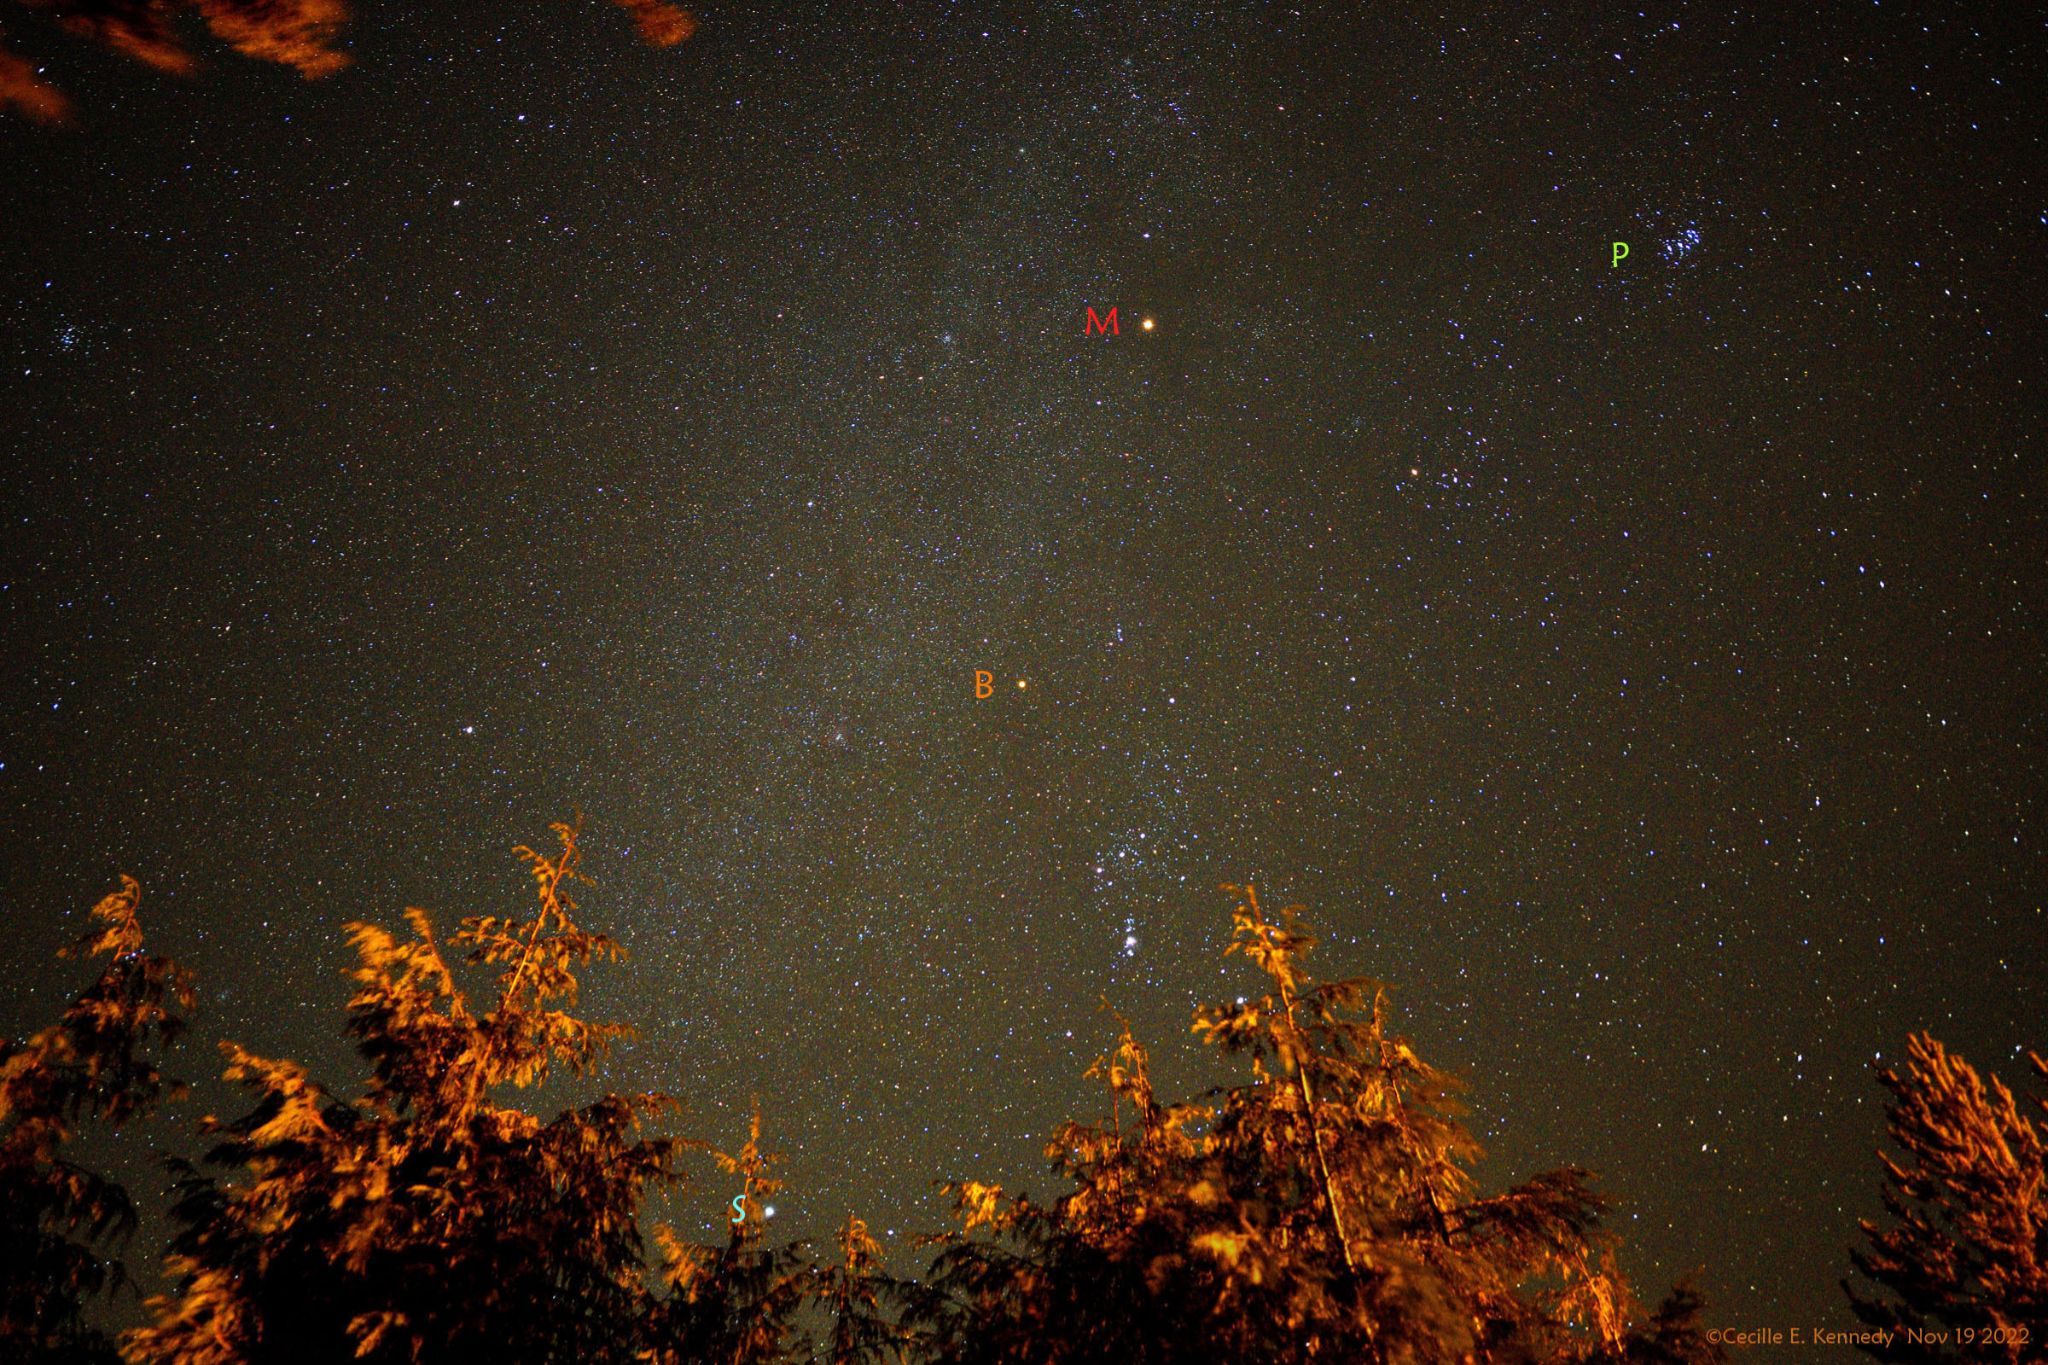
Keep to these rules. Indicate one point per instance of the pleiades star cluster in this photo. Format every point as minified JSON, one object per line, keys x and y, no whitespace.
{"x":1633,"y":661}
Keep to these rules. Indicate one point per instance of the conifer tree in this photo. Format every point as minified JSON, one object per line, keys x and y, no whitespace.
{"x":95,"y":1064}
{"x":1102,"y":1273}
{"x":734,"y":1304}
{"x":853,"y":1291}
{"x":1675,"y":1333}
{"x":1349,"y":1174}
{"x":1323,"y":1211}
{"x":1963,"y":1258}
{"x":425,"y":1220}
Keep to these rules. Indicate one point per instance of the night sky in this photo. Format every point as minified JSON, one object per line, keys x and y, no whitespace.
{"x":1638,"y":665}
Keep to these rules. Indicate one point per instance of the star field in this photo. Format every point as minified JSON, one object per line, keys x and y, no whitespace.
{"x":1630,"y":663}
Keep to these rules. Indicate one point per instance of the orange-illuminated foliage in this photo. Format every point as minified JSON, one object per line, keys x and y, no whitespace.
{"x":427,"y":1219}
{"x":96,"y":1064}
{"x":1961,"y":1263}
{"x":660,"y":24}
{"x":295,"y":33}
{"x":736,"y":1302}
{"x":855,"y":1290}
{"x":1324,"y":1210}
{"x":305,"y":35}
{"x":22,"y":90}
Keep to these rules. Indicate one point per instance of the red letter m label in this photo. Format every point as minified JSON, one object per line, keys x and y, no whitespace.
{"x":1106,"y":326}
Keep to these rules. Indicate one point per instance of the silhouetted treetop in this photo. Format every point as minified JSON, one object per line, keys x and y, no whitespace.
{"x":96,"y":1064}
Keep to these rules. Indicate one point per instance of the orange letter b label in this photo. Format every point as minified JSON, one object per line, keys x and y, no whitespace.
{"x":984,"y":683}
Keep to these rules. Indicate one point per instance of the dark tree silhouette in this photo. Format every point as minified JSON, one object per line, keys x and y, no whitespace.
{"x":1960,"y":1269}
{"x":737,"y":1303}
{"x":302,"y":34}
{"x":96,"y":1064}
{"x":855,"y":1290}
{"x":1675,"y":1335}
{"x":1323,"y":1211}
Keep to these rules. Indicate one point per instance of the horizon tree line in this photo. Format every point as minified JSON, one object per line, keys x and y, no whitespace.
{"x":1321,"y":1208}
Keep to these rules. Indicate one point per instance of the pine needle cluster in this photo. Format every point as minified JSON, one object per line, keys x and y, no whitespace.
{"x":1323,"y":1210}
{"x":1961,"y":1270}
